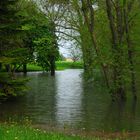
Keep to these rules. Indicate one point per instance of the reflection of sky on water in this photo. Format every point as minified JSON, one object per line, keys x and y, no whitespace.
{"x":68,"y":98}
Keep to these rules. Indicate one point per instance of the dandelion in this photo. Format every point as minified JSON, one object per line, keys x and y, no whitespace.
{"x":73,"y":134}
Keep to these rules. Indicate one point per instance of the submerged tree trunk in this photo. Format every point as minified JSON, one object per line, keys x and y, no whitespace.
{"x":8,"y":69}
{"x":0,"y":66}
{"x":24,"y":68}
{"x":52,"y":66}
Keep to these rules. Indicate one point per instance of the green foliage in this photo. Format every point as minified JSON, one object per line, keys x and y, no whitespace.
{"x":116,"y":58}
{"x":14,"y":16}
{"x":11,"y":87}
{"x":46,"y":46}
{"x":24,"y":29}
{"x":45,"y":51}
{"x":10,"y":36}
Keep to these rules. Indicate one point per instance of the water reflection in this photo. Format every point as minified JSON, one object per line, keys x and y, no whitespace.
{"x":38,"y":104}
{"x":41,"y":99}
{"x":67,"y":99}
{"x":121,"y":116}
{"x":94,"y":105}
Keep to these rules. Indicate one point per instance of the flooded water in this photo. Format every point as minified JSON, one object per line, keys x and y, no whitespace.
{"x":67,"y":100}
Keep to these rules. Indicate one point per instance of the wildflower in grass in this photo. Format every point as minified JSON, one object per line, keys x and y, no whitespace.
{"x":16,"y":138}
{"x":7,"y":131}
{"x":73,"y":134}
{"x":12,"y":125}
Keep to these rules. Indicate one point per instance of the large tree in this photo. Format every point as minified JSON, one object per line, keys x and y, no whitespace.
{"x":10,"y":44}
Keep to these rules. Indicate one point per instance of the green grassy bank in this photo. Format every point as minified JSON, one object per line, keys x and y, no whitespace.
{"x":17,"y":132}
{"x":60,"y":65}
{"x":20,"y":132}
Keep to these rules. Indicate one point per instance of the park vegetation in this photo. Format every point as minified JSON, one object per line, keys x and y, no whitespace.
{"x":106,"y":34}
{"x":105,"y":31}
{"x":26,"y":36}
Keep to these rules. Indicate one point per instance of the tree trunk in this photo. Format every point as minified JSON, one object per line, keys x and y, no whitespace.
{"x":89,"y":20}
{"x":24,"y":68}
{"x":116,"y":28}
{"x":130,"y":54}
{"x":8,"y":69}
{"x":0,"y":66}
{"x":52,"y":67}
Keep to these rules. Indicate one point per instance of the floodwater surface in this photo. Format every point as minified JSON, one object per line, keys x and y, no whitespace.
{"x":67,"y":100}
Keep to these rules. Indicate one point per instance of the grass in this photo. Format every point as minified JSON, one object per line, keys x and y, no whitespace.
{"x":60,"y":65}
{"x":25,"y":132}
{"x":33,"y":67}
{"x":17,"y":132}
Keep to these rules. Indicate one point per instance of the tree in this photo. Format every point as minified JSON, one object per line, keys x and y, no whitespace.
{"x":120,"y":20}
{"x":75,"y":54}
{"x":39,"y":37}
{"x":11,"y":42}
{"x":46,"y":47}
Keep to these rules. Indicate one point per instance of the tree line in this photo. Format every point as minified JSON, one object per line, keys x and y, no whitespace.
{"x":107,"y":32}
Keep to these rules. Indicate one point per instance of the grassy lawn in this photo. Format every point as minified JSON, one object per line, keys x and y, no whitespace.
{"x":33,"y":67}
{"x":60,"y":65}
